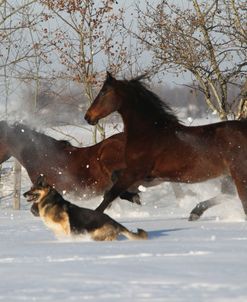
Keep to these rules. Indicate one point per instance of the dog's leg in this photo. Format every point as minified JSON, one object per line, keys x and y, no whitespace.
{"x":107,"y":232}
{"x":65,"y":224}
{"x":35,"y":209}
{"x":58,"y":223}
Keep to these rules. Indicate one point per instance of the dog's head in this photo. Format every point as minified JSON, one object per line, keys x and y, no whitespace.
{"x":38,"y":191}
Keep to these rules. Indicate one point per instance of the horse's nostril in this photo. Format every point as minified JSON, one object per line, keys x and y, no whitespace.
{"x":90,"y":120}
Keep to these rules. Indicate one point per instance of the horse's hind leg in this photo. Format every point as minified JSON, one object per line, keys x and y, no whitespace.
{"x":239,"y":175}
{"x":227,"y":189}
{"x":241,"y":185}
{"x":202,"y":206}
{"x":227,"y":186}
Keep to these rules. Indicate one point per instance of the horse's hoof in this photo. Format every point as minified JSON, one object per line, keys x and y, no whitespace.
{"x":194,"y":217}
{"x":136,"y":199}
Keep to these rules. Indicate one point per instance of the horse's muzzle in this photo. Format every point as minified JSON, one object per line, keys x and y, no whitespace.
{"x":90,"y":120}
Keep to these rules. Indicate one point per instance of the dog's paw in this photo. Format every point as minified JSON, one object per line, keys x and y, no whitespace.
{"x":35,"y":210}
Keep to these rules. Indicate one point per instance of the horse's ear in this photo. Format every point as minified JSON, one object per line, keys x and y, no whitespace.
{"x":41,"y":180}
{"x":109,"y":77}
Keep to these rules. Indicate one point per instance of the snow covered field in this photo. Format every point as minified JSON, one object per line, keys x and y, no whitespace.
{"x":181,"y":261}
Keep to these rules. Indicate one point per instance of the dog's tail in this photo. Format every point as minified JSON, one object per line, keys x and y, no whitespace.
{"x":140,"y":235}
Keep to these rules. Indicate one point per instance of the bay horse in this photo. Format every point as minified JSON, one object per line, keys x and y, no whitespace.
{"x":159,"y":146}
{"x":83,"y":172}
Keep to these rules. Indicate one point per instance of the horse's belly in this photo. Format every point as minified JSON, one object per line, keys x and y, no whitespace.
{"x":189,"y":171}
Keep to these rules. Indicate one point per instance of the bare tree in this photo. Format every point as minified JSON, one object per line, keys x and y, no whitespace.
{"x":207,"y":39}
{"x":58,"y":40}
{"x":19,"y":39}
{"x":16,"y":21}
{"x":85,"y":38}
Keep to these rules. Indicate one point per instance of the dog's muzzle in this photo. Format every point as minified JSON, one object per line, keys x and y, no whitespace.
{"x":31,"y":197}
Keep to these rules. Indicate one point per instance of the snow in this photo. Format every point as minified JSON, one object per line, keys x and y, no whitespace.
{"x":181,"y":261}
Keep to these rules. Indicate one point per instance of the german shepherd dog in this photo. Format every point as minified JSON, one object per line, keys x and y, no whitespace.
{"x":65,"y":218}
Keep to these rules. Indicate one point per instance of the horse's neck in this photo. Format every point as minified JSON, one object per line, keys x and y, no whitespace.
{"x":136,"y":124}
{"x":18,"y":141}
{"x":132,"y":120}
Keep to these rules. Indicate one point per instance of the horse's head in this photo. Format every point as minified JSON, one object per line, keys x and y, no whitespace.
{"x":4,"y":147}
{"x":106,"y":102}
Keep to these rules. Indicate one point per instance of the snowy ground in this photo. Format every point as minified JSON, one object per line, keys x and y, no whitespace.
{"x":181,"y":261}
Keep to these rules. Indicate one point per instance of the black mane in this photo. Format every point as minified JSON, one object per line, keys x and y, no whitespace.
{"x":148,"y":102}
{"x":30,"y":133}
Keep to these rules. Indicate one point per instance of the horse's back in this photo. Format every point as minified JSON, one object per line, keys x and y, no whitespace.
{"x":192,"y":154}
{"x":231,"y":134}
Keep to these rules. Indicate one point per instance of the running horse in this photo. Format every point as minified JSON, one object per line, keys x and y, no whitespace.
{"x":83,"y":172}
{"x":159,"y":146}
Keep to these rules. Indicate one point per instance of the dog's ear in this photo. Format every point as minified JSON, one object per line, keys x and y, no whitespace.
{"x":41,"y":181}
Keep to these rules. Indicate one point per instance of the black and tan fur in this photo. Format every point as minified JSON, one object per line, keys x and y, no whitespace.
{"x":65,"y":218}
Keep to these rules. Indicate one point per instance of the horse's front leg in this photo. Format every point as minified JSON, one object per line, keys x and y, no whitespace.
{"x":130,"y":195}
{"x":124,"y":181}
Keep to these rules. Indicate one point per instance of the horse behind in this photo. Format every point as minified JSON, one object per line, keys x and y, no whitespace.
{"x":83,"y":172}
{"x":159,"y":146}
